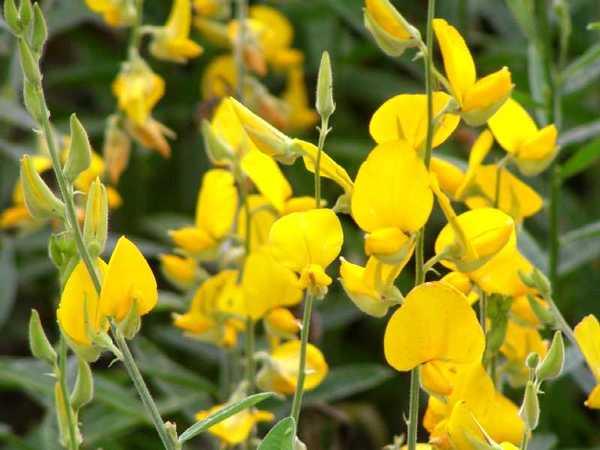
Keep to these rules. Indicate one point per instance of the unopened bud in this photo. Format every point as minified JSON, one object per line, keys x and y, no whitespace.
{"x":29,"y":64}
{"x":83,"y":391}
{"x":95,"y":225}
{"x":530,"y":409}
{"x":80,"y":152}
{"x":532,"y":361}
{"x":39,"y":199}
{"x":553,"y":363}
{"x":39,"y":34}
{"x":324,"y":103}
{"x":217,"y":150}
{"x":25,"y":13}
{"x":11,"y":16}
{"x":391,"y":31}
{"x":38,"y":342}
{"x":542,"y":283}
{"x":543,"y":314}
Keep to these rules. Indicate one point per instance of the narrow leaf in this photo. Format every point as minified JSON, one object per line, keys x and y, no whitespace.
{"x":581,"y":159}
{"x":223,"y":414}
{"x":281,"y":436}
{"x":8,"y":279}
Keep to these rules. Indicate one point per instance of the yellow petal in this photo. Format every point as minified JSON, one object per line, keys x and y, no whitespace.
{"x":459,"y":281}
{"x":463,"y":429}
{"x":479,"y":151}
{"x":217,"y":203}
{"x":219,"y":78}
{"x":392,"y":190}
{"x":438,"y":377}
{"x":235,"y":429}
{"x":79,"y":291}
{"x":385,"y":15}
{"x":263,"y":217}
{"x":587,"y":334}
{"x":295,"y":96}
{"x":391,"y":121}
{"x":179,"y":270}
{"x":194,"y":241}
{"x":128,"y":279}
{"x":593,"y":400}
{"x":304,"y":238}
{"x":500,"y":275}
{"x":537,"y":153}
{"x":458,"y":62}
{"x":328,"y":167}
{"x":449,"y":177}
{"x":267,"y":177}
{"x":390,"y":245}
{"x":486,"y":96}
{"x":281,"y":322}
{"x":277,"y":33}
{"x":520,"y":341}
{"x":267,"y":285}
{"x":512,"y":126}
{"x":435,"y":323}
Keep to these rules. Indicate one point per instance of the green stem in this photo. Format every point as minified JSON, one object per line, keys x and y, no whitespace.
{"x":562,"y":322}
{"x":556,"y":182}
{"x":242,"y":14}
{"x":250,"y":363}
{"x":297,"y":403}
{"x":62,"y":379}
{"x":415,"y":382}
{"x":323,"y":131}
{"x":483,"y":312}
{"x":73,"y":224}
{"x":136,"y":32}
{"x":525,"y":441}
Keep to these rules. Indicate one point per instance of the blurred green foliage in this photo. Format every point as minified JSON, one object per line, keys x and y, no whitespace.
{"x":362,"y":403}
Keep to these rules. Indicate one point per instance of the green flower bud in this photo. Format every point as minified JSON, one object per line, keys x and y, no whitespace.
{"x":530,"y":409}
{"x":324,"y":100}
{"x":80,"y":152}
{"x":83,"y":391}
{"x":543,"y":314}
{"x":38,"y":342}
{"x":29,"y":64}
{"x":553,"y":363}
{"x":542,"y":283}
{"x":40,"y":30}
{"x":95,"y":225}
{"x":532,"y":361}
{"x":25,"y":13}
{"x":217,"y":150}
{"x":11,"y":15}
{"x":131,"y":324}
{"x":39,"y":199}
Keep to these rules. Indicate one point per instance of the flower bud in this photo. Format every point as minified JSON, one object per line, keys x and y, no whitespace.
{"x":553,"y":363}
{"x":392,"y":33}
{"x":532,"y":361}
{"x":39,"y":199}
{"x":25,"y":13}
{"x":324,"y":101}
{"x":217,"y":150}
{"x":61,"y":249}
{"x":80,"y":152}
{"x":83,"y":391}
{"x":530,"y":409}
{"x":543,"y":314}
{"x":537,"y":280}
{"x":38,"y":342}
{"x":11,"y":15}
{"x":29,"y":64}
{"x":39,"y":34}
{"x":95,"y":225}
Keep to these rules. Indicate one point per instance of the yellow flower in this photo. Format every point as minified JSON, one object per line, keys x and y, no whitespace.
{"x":587,"y":334}
{"x":266,"y":285}
{"x":116,"y":13}
{"x":438,"y":377}
{"x":208,"y":318}
{"x":391,"y":200}
{"x":389,"y":29}
{"x":215,"y":214}
{"x":522,"y":312}
{"x":152,"y":135}
{"x":480,"y":149}
{"x":462,"y":282}
{"x":219,"y":78}
{"x":179,"y":270}
{"x":371,"y":288}
{"x":138,"y":89}
{"x":300,"y":116}
{"x":263,"y":216}
{"x":79,"y":313}
{"x":533,"y":149}
{"x":435,"y":323}
{"x":276,"y":36}
{"x":212,"y":8}
{"x":280,"y":372}
{"x":404,"y":117}
{"x":307,"y":242}
{"x":171,"y":42}
{"x":449,"y":177}
{"x":478,"y":99}
{"x":281,"y":323}
{"x":128,"y":283}
{"x":471,"y":239}
{"x":235,"y":429}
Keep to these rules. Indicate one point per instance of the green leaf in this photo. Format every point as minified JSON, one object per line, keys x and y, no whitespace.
{"x":223,"y":414}
{"x":580,"y":134}
{"x":523,"y":12}
{"x":581,"y":159}
{"x":8,"y":279}
{"x":342,"y":382}
{"x":281,"y":436}
{"x":579,"y":247}
{"x":583,"y":71}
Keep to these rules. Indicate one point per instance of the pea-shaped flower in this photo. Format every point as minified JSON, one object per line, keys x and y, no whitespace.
{"x":435,"y":323}
{"x":479,"y":99}
{"x":391,"y":200}
{"x":171,"y":42}
{"x":390,"y":30}
{"x":533,"y":149}
{"x":307,"y":242}
{"x":587,"y":334}
{"x":119,"y":13}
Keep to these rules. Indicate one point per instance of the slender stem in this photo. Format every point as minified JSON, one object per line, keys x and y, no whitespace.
{"x":242,"y":14}
{"x":415,"y":382}
{"x":73,"y":224}
{"x":250,"y":363}
{"x":525,"y":441}
{"x":483,"y":312}
{"x":556,"y":182}
{"x":322,"y":136}
{"x":62,"y":379}
{"x":136,"y":32}
{"x":140,"y":386}
{"x":297,"y":403}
